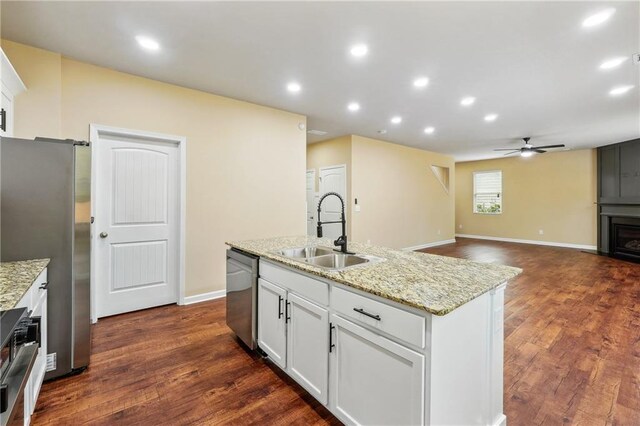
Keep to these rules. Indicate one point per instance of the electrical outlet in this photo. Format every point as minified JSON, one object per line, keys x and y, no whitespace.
{"x":357,"y":208}
{"x":52,"y":361}
{"x":541,"y":231}
{"x":368,"y":241}
{"x":439,"y":232}
{"x":460,"y":226}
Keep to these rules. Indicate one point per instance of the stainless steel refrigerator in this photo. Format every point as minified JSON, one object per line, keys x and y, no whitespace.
{"x":45,"y":211}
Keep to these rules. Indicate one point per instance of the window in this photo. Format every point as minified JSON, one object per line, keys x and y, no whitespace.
{"x":487,"y":192}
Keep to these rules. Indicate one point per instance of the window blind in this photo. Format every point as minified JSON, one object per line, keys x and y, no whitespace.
{"x":487,"y":192}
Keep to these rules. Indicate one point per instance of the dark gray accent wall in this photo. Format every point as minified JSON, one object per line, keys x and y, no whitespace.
{"x":618,"y":186}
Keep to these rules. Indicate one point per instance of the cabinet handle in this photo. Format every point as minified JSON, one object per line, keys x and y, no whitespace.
{"x":363,"y":312}
{"x":3,"y":120}
{"x":280,"y":299}
{"x":331,"y":344}
{"x":286,"y":310}
{"x":44,"y":286}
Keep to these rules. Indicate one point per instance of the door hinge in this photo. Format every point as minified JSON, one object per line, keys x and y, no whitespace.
{"x":331,"y":344}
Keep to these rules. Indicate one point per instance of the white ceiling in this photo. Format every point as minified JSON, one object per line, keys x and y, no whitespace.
{"x":530,"y":62}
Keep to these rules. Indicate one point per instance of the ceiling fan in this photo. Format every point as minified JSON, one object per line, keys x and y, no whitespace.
{"x":528,"y":150}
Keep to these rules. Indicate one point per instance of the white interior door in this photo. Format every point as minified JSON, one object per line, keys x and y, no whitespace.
{"x":312,"y":207}
{"x":137,"y":224}
{"x":333,"y":179}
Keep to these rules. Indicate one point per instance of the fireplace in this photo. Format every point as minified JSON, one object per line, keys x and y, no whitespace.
{"x":625,"y":238}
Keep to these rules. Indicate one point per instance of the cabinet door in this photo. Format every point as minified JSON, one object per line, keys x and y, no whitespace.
{"x":272,"y":336}
{"x":6,"y":103}
{"x":374,"y":381}
{"x":308,"y":346}
{"x":630,"y":169}
{"x":40,"y":365}
{"x":609,"y":163}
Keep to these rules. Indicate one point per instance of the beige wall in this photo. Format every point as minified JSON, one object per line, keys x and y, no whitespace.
{"x":333,"y":152}
{"x":554,"y":192}
{"x":402,"y":202}
{"x":244,"y":162}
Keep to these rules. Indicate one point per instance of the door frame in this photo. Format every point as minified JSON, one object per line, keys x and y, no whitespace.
{"x":97,"y":131}
{"x":315,"y":192}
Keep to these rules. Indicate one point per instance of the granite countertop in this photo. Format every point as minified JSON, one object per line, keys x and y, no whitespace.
{"x":16,"y":278}
{"x":436,"y":284}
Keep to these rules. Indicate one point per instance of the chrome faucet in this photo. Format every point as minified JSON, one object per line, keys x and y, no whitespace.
{"x":342,"y":239}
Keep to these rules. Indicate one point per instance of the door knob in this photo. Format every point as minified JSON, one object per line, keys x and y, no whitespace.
{"x":103,"y":235}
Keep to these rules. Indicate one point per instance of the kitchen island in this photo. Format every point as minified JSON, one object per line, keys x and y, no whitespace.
{"x":402,"y":338}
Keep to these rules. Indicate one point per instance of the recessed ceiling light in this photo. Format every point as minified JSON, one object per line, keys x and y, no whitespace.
{"x":147,"y":43}
{"x":490,"y":117}
{"x":359,"y":50}
{"x":294,"y":87}
{"x":526,"y":153}
{"x":396,"y":120}
{"x":612,"y":63}
{"x":420,"y":82}
{"x":353,"y":106}
{"x":620,"y":90}
{"x":469,"y":100}
{"x":382,"y":131}
{"x":429,"y":130}
{"x":598,"y":18}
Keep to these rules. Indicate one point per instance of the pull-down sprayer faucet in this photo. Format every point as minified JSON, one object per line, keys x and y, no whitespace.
{"x":342,"y":239}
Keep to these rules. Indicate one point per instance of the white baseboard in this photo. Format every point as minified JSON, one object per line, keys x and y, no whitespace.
{"x":427,"y":245}
{"x":197,"y":298}
{"x":536,"y":242}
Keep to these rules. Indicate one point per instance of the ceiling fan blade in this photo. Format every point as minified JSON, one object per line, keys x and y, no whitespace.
{"x":540,"y":151}
{"x":549,"y":146}
{"x":512,"y":152}
{"x":506,"y":149}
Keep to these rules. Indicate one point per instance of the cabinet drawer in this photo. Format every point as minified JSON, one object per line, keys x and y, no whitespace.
{"x":305,"y":286}
{"x":404,"y":325}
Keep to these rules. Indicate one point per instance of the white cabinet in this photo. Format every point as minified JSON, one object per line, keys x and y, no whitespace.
{"x":40,"y":365}
{"x":35,"y":300}
{"x":294,"y":333}
{"x":374,"y":380}
{"x":10,"y":86}
{"x":308,"y":345}
{"x":272,"y":332}
{"x":372,"y":361}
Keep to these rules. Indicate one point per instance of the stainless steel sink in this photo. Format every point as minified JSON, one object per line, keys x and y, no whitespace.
{"x":337,"y":260}
{"x":305,"y":252}
{"x":326,"y":257}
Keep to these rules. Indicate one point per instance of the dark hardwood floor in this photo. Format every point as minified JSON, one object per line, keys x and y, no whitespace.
{"x":572,"y":355}
{"x":572,"y":334}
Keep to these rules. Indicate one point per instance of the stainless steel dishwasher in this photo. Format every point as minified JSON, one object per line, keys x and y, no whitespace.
{"x":242,"y":296}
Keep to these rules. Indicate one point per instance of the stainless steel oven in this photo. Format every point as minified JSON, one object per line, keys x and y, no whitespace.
{"x":242,"y":296}
{"x":20,"y":337}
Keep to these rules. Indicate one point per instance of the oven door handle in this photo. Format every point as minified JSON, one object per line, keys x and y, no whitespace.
{"x":16,"y":377}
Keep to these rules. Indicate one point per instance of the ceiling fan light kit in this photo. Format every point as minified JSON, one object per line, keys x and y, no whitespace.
{"x":528,"y":149}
